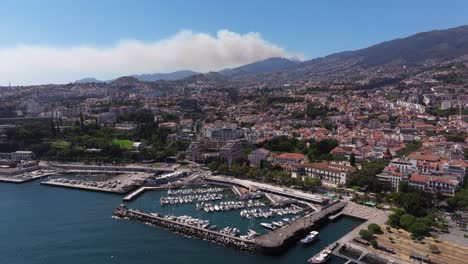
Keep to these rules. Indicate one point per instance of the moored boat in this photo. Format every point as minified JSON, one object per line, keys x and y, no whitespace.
{"x":323,"y":256}
{"x":311,"y":237}
{"x":268,"y":226}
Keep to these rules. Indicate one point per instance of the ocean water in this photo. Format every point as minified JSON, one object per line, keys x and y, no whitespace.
{"x":42,"y":224}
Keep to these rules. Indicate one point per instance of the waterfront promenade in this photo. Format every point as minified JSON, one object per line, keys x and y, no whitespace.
{"x":283,"y":191}
{"x":108,"y":168}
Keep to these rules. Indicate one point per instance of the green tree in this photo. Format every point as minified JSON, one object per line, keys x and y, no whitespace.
{"x":366,"y":234}
{"x":419,"y":229}
{"x":53,"y":131}
{"x":460,"y":199}
{"x":366,"y":177}
{"x":374,"y":228}
{"x":395,"y":217}
{"x":413,"y":200}
{"x":407,"y":220}
{"x":374,"y":243}
{"x":352,"y":159}
{"x":311,"y":183}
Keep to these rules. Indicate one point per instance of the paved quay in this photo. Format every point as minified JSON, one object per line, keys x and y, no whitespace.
{"x":107,"y":168}
{"x":84,"y":187}
{"x":369,"y":215}
{"x":280,"y":238}
{"x":120,"y":184}
{"x":22,"y":178}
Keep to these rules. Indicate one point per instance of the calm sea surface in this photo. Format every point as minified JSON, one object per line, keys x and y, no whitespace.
{"x":41,"y":224}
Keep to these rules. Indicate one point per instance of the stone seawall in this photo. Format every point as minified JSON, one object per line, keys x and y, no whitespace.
{"x":186,"y":230}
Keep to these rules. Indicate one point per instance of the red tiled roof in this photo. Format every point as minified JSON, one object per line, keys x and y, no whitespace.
{"x":443,"y":180}
{"x":265,"y":151}
{"x":424,"y":157}
{"x":287,"y":155}
{"x":419,"y":178}
{"x":330,"y":167}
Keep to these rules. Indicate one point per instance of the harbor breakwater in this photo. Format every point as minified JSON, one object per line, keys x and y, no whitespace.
{"x":274,"y":242}
{"x":185,"y":230}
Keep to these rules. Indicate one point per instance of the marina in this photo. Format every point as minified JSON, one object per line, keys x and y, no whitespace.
{"x":250,"y":218}
{"x":247,"y":216}
{"x":169,"y":200}
{"x":289,"y":223}
{"x":133,"y":243}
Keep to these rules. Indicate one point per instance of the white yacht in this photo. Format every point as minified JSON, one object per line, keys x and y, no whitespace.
{"x":311,"y":237}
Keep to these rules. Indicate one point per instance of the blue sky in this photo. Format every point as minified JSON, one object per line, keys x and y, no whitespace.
{"x":305,"y":28}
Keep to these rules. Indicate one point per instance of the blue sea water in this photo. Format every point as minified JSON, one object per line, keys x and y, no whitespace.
{"x":50,"y":225}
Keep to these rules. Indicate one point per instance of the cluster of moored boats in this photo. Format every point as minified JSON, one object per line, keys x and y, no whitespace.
{"x":190,"y":198}
{"x":232,"y":231}
{"x":277,"y":224}
{"x":205,"y":224}
{"x":188,"y":220}
{"x":228,"y":206}
{"x":260,"y":213}
{"x":194,"y":191}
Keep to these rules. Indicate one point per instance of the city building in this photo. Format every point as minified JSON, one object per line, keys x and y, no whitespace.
{"x":445,"y":185}
{"x":327,"y":172}
{"x":257,"y":156}
{"x":289,"y":158}
{"x":232,"y":151}
{"x":18,"y":155}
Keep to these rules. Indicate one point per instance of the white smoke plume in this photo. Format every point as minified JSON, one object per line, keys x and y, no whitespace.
{"x":186,"y":50}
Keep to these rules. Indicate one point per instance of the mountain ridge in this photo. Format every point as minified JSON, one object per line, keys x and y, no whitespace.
{"x":263,"y":66}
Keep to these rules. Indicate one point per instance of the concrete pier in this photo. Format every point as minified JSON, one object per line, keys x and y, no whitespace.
{"x":186,"y":230}
{"x":20,"y":178}
{"x":84,"y":187}
{"x":236,"y":191}
{"x":10,"y":179}
{"x":279,"y":239}
{"x":138,"y":192}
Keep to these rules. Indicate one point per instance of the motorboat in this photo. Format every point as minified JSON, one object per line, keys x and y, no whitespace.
{"x":311,"y":237}
{"x":323,"y":256}
{"x":268,"y":226}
